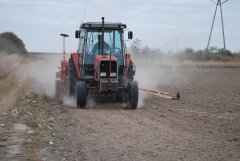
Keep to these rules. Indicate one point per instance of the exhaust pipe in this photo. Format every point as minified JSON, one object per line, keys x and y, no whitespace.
{"x":102,"y":35}
{"x":110,"y":61}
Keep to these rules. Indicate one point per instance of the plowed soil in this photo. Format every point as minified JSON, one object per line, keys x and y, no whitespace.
{"x":203,"y":125}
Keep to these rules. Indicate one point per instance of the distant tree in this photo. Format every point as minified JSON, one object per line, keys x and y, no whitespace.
{"x":188,"y":50}
{"x":146,"y":51}
{"x":156,"y":52}
{"x":222,"y":52}
{"x":136,"y":46}
{"x":10,"y":43}
{"x":213,"y":49}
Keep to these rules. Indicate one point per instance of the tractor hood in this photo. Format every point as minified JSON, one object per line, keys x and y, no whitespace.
{"x":99,"y":58}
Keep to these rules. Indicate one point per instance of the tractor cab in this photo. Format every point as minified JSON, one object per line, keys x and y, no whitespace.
{"x":98,"y":40}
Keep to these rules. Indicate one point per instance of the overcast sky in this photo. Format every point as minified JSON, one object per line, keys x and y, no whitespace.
{"x":164,"y":24}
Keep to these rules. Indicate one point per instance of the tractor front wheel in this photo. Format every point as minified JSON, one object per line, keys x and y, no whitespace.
{"x":81,"y":92}
{"x":133,"y":94}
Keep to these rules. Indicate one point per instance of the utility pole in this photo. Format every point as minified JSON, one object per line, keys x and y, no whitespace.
{"x":219,"y":3}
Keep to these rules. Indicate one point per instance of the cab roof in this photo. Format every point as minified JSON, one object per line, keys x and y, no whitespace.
{"x":107,"y":25}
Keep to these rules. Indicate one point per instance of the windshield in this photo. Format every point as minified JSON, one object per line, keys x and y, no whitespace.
{"x":112,"y":43}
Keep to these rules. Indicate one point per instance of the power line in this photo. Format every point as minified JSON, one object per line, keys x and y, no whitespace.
{"x":84,"y":11}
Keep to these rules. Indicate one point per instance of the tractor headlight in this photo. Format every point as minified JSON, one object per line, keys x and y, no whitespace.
{"x":103,"y":74}
{"x":113,"y":74}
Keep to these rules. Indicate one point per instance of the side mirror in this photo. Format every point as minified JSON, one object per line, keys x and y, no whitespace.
{"x":130,"y":35}
{"x":77,"y":34}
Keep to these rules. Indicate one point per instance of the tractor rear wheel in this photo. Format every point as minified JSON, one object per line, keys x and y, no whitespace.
{"x":81,"y":92}
{"x":133,"y":94}
{"x":57,"y":89}
{"x":72,"y":77}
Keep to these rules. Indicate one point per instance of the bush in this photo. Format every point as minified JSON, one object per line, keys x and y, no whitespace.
{"x":213,"y":54}
{"x":10,"y":43}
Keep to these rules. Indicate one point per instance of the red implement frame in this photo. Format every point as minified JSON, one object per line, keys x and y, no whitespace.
{"x":161,"y":94}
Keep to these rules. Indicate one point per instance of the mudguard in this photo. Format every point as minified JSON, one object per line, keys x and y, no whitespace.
{"x":75,"y":61}
{"x":127,"y":64}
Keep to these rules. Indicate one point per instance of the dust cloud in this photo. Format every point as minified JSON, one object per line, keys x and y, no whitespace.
{"x":151,"y":73}
{"x":69,"y":101}
{"x":11,"y":79}
{"x":91,"y":102}
{"x":154,"y":72}
{"x":41,"y":74}
{"x":9,"y":64}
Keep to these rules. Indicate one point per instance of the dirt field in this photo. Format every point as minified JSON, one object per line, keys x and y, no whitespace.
{"x":203,"y":125}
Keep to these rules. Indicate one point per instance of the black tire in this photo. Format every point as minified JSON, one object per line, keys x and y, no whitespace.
{"x":81,"y":93}
{"x":72,"y":77}
{"x":57,"y":89}
{"x":133,"y":94}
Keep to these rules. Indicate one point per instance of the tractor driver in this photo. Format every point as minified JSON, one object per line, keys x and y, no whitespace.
{"x":96,"y":48}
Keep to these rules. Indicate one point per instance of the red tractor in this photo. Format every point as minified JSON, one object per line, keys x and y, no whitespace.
{"x":101,"y":65}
